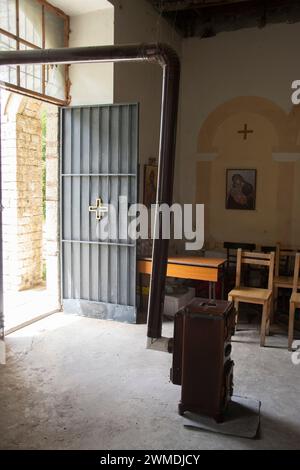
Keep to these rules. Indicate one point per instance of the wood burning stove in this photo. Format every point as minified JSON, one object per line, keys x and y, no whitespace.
{"x":202,"y":362}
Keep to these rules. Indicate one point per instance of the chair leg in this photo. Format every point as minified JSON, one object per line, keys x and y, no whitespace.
{"x":275,"y":300}
{"x":269,"y":317}
{"x":291,"y":325}
{"x":264,"y":320}
{"x":271,"y":310}
{"x":236,"y":306}
{"x":268,"y":328}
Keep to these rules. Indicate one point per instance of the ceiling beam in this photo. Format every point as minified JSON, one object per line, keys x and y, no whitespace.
{"x":194,"y":20}
{"x":181,"y":5}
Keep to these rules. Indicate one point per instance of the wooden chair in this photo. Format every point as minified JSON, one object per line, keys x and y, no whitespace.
{"x":294,"y":301}
{"x":254,"y":295}
{"x":231,"y":255}
{"x":283,"y":278}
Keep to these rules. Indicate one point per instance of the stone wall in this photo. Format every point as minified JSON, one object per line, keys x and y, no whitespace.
{"x":22,"y":196}
{"x":29,"y":193}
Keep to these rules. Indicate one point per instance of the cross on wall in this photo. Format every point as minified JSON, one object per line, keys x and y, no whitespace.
{"x":246,"y":131}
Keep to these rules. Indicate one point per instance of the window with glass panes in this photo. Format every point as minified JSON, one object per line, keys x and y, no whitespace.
{"x":34,"y":24}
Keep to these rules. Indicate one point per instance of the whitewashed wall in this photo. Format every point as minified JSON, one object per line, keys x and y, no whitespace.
{"x":92,"y":83}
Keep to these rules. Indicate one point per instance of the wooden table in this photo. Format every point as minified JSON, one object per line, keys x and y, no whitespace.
{"x":190,"y":267}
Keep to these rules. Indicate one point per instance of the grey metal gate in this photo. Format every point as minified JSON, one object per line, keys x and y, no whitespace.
{"x":99,"y":163}
{"x":2,"y":345}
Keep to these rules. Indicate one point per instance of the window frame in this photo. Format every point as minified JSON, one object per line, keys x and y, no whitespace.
{"x":19,"y":40}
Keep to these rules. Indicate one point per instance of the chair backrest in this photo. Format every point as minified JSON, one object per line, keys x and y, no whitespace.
{"x":296,"y":272}
{"x":234,"y":246}
{"x":259,"y":259}
{"x":284,"y":255}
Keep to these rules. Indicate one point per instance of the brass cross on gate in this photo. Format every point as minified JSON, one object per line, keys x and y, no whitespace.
{"x":99,"y":209}
{"x":245,"y":131}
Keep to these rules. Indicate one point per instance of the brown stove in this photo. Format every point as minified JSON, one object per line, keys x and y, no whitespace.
{"x":202,"y":362}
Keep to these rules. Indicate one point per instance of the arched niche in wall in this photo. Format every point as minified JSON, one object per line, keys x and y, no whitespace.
{"x":249,"y":133}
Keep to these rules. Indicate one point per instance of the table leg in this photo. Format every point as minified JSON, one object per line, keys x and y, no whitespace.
{"x":214,"y":291}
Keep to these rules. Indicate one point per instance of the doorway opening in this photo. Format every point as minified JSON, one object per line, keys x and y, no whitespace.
{"x":30,"y":193}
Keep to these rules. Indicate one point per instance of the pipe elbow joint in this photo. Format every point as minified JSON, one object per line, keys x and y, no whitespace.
{"x":164,"y":54}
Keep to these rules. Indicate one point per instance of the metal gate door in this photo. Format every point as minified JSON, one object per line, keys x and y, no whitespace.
{"x":2,"y":344}
{"x":98,"y":164}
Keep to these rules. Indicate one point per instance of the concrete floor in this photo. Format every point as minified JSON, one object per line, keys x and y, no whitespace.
{"x":79,"y":383}
{"x":24,"y":306}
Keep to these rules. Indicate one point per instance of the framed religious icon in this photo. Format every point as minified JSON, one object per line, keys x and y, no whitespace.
{"x":240,"y":189}
{"x":150,"y":184}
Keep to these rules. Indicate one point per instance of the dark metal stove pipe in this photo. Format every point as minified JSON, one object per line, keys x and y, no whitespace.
{"x":169,"y":61}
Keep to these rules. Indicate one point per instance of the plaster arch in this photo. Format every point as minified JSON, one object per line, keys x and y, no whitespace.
{"x":254,"y":105}
{"x":263,"y":136}
{"x":14,"y":104}
{"x":294,"y":124}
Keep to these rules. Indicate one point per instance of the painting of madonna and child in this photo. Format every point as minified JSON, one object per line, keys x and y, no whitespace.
{"x":240,"y":189}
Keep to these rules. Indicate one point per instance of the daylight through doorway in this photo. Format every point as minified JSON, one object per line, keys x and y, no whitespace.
{"x":29,"y":145}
